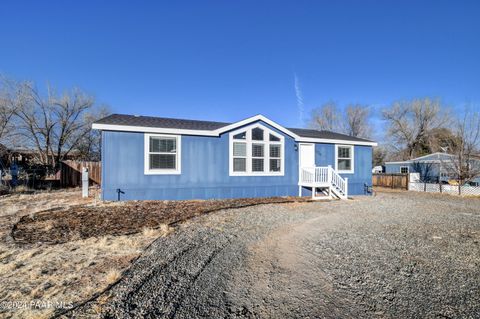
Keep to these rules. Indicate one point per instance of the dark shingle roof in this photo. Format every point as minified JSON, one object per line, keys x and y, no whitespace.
{"x":326,"y":135}
{"x":163,"y":122}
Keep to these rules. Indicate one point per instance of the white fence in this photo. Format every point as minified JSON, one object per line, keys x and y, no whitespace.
{"x":447,"y":189}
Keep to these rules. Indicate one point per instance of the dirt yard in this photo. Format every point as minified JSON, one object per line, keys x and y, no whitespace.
{"x":33,"y":274}
{"x":57,"y":247}
{"x":397,"y":255}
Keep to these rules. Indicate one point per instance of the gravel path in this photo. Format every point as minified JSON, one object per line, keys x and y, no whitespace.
{"x":398,"y":255}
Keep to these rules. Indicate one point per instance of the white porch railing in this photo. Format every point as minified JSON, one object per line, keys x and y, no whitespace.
{"x":324,"y":177}
{"x":314,"y":175}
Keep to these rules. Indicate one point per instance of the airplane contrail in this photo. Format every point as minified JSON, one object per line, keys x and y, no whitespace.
{"x":299,"y":95}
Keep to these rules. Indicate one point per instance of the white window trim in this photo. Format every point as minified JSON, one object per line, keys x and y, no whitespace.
{"x":146,"y":154}
{"x":352,"y":154}
{"x":408,"y":169}
{"x":266,"y":142}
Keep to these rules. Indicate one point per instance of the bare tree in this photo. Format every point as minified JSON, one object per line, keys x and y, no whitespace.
{"x":52,"y":124}
{"x":379,"y":156}
{"x":326,"y":117}
{"x":354,"y":121}
{"x":89,"y":147}
{"x":357,"y":121}
{"x":6,"y":115}
{"x":466,"y":163}
{"x":36,"y":122}
{"x":410,"y":123}
{"x":9,"y":103}
{"x":72,"y":122}
{"x":439,"y":140}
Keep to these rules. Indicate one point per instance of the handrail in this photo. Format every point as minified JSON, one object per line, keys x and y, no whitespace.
{"x":324,"y":176}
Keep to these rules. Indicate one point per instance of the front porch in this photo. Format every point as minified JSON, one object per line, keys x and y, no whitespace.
{"x":325,"y":182}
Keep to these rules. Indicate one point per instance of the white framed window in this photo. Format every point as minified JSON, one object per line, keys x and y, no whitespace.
{"x":403,"y":169}
{"x":162,"y":154}
{"x":344,"y":159}
{"x":256,"y":151}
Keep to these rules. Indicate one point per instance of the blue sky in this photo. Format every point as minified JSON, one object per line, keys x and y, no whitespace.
{"x":228,"y":60}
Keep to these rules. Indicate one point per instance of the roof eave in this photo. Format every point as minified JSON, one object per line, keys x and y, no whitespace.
{"x":146,"y":129}
{"x":219,"y":131}
{"x":399,"y":162}
{"x":334,"y":141}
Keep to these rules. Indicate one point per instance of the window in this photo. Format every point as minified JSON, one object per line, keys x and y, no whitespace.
{"x":274,"y":138}
{"x":344,"y":159}
{"x":404,"y":169}
{"x":257,"y":134}
{"x":240,"y":136}
{"x":275,"y":157}
{"x":256,"y":150}
{"x":258,"y":158}
{"x":239,"y":157}
{"x":162,"y":154}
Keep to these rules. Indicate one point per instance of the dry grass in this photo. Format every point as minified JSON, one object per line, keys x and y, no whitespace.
{"x":162,"y":231}
{"x":151,"y":232}
{"x":112,"y":276}
{"x":67,"y":273}
{"x":21,"y":189}
{"x":26,"y":204}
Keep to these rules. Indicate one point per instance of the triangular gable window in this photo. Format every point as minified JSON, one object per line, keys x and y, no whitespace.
{"x":256,"y":150}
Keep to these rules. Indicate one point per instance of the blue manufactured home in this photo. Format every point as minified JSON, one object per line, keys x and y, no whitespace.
{"x":152,"y":158}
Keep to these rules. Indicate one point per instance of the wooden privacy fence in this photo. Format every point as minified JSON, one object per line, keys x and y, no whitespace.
{"x":390,"y":180}
{"x":71,"y":173}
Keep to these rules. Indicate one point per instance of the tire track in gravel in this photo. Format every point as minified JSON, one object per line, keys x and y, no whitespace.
{"x":163,"y":290}
{"x":395,"y":256}
{"x":186,"y":275}
{"x":281,"y":273}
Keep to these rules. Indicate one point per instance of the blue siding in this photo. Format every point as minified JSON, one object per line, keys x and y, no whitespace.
{"x":428,"y":172}
{"x":205,"y":170}
{"x":395,"y":168}
{"x":362,"y":173}
{"x":325,"y":155}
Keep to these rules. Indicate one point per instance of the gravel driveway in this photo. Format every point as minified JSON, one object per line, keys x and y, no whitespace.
{"x":397,"y":255}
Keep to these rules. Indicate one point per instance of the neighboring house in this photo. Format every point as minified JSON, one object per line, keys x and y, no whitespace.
{"x":25,"y":157}
{"x":436,"y":167}
{"x":161,"y":158}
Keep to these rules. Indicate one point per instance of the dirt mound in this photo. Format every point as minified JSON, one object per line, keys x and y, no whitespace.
{"x":61,"y":225}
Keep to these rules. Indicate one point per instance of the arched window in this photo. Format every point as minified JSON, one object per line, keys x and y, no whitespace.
{"x":256,"y":150}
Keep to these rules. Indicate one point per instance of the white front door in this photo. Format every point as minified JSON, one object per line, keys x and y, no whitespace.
{"x":307,"y":155}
